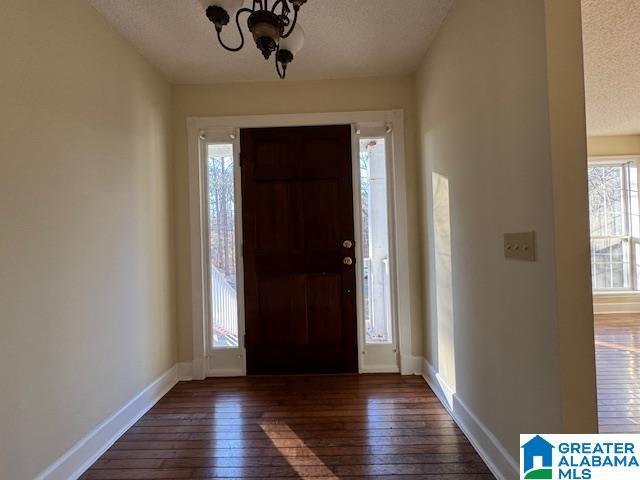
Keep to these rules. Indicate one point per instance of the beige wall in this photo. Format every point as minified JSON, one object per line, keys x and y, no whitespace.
{"x":485,"y":124}
{"x":284,"y":97}
{"x":614,"y":145}
{"x":85,"y":236}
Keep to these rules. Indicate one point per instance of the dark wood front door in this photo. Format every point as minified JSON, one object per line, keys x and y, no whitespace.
{"x":297,"y":212}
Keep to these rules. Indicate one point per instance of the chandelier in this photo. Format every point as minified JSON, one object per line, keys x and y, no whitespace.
{"x":273,"y":29}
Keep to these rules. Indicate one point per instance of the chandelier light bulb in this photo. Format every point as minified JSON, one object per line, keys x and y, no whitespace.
{"x":295,"y":41}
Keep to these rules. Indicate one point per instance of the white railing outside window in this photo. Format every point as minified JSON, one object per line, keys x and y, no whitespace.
{"x":224,"y":310}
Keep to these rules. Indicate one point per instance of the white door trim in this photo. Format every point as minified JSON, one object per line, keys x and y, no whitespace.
{"x":198,"y":126}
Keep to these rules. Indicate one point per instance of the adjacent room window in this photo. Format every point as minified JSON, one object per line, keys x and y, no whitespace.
{"x":375,"y":240}
{"x":614,"y":222}
{"x":222,"y":245}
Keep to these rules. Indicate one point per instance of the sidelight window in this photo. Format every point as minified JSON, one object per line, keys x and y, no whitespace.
{"x":223,"y":298}
{"x":375,"y":241}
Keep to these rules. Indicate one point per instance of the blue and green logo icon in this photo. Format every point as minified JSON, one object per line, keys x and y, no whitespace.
{"x":537,"y":459}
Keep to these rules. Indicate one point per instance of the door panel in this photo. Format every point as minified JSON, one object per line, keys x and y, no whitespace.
{"x":323,"y":306}
{"x":321,"y":200}
{"x":273,"y":216}
{"x":297,"y":211}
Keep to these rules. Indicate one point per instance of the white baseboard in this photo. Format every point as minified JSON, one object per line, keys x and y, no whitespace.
{"x":86,"y":451}
{"x":447,"y":392}
{"x":410,"y":365}
{"x":616,"y":308}
{"x":185,"y":371}
{"x":439,"y":387}
{"x":226,"y":372}
{"x":197,"y":370}
{"x":500,"y":462}
{"x":379,"y":369}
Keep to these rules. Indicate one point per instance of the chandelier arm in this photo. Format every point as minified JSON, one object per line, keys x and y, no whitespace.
{"x":239,"y":47}
{"x":281,"y":73}
{"x":293,"y":24}
{"x":285,"y":8}
{"x":275,"y":4}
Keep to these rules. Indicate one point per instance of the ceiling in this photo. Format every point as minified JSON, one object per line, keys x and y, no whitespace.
{"x":344,"y":39}
{"x":611,"y":30}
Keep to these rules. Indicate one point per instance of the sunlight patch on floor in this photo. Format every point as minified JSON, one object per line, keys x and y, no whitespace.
{"x":314,"y":466}
{"x":616,"y":346}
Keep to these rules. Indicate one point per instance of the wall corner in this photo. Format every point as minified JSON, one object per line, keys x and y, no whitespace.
{"x":567,"y":136}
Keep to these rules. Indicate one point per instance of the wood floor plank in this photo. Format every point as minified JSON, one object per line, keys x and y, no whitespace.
{"x":312,"y":427}
{"x":618,"y":372}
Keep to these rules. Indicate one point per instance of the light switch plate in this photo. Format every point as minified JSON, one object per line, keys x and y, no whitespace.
{"x":520,"y":246}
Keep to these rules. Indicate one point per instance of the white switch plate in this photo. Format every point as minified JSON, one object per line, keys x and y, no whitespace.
{"x":520,"y":246}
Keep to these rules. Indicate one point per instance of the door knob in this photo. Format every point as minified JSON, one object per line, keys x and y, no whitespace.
{"x":347,"y":261}
{"x":347,"y":244}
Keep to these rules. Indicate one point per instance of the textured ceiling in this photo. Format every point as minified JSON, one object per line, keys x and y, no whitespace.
{"x":611,"y":30}
{"x":344,"y":38}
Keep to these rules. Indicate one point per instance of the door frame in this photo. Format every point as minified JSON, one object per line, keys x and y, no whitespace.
{"x":202,"y":130}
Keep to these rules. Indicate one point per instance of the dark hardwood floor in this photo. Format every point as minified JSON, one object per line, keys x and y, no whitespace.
{"x":618,"y":369}
{"x":309,"y":427}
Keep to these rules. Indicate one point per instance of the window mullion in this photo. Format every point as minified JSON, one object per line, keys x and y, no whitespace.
{"x":626,"y":211}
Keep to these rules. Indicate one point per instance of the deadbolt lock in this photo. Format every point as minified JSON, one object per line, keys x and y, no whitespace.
{"x":347,"y":261}
{"x":347,"y":244}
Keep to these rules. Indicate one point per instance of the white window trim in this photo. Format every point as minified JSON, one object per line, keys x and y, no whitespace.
{"x":198,"y":126}
{"x":375,"y":357}
{"x":601,"y":160}
{"x":612,"y":159}
{"x":228,"y":361}
{"x":616,"y":293}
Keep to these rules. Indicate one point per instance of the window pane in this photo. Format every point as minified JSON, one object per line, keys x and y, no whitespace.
{"x":606,"y":200}
{"x":375,"y":241}
{"x":610,"y":263}
{"x":222,"y":250}
{"x":634,"y":200}
{"x":636,"y":247}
